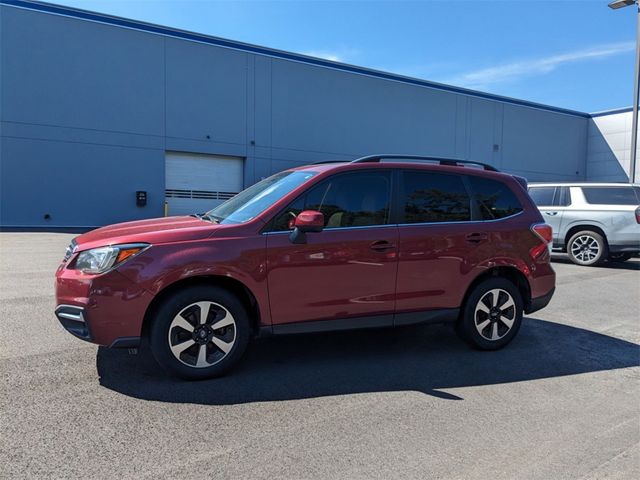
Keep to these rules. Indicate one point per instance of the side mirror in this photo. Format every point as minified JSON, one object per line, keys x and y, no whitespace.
{"x":306,"y":221}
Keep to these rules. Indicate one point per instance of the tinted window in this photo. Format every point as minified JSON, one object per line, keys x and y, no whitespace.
{"x":347,"y":200}
{"x":542,"y":196}
{"x":495,"y":199}
{"x":435,"y":197}
{"x":610,"y":195}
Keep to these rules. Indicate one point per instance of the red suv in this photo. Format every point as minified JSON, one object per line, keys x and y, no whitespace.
{"x":331,"y":246}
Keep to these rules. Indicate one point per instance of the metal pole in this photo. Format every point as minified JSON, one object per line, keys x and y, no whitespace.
{"x":636,"y":91}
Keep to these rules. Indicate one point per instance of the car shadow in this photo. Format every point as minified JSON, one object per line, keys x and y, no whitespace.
{"x":632,"y":264}
{"x":427,"y":359}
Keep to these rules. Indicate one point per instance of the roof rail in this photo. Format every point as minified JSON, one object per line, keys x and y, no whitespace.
{"x":441,"y":160}
{"x":329,"y":161}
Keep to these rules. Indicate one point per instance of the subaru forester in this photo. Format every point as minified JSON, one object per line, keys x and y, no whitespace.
{"x":381,"y":241}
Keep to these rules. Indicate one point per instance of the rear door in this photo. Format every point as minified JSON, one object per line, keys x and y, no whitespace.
{"x":439,"y":243}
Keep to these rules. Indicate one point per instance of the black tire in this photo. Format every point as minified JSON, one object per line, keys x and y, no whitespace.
{"x":587,"y":248}
{"x":619,"y":257}
{"x":470,"y":323}
{"x":221,"y":304}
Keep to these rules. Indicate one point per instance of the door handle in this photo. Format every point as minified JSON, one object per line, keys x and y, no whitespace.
{"x":477,"y":237}
{"x":381,"y":246}
{"x":553,"y":214}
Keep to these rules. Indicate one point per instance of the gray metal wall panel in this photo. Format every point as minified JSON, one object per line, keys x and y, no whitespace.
{"x":324,"y":110}
{"x":206,"y":92}
{"x":609,"y":148}
{"x":64,"y":72}
{"x":481,"y":130}
{"x":543,"y":145}
{"x":78,"y":184}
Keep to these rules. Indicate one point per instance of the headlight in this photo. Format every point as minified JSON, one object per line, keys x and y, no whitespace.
{"x":99,"y":260}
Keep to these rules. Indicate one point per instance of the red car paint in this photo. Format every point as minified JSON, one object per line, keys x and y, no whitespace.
{"x":383,"y":271}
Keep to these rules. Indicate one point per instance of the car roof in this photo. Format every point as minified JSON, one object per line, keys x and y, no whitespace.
{"x":583,"y":184}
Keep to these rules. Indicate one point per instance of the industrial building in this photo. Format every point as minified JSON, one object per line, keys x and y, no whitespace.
{"x":105,"y":119}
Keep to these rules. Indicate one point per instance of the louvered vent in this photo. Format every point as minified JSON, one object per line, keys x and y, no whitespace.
{"x":199,"y":194}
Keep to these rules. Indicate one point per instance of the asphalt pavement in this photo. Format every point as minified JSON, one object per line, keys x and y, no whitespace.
{"x":561,"y":402}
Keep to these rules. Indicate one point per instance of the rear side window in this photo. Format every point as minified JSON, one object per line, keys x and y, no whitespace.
{"x":495,"y":199}
{"x":542,"y":196}
{"x":347,"y":200}
{"x":610,"y":195}
{"x":434,"y":197}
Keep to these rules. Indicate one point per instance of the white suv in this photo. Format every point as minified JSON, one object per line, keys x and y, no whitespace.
{"x":592,"y":222}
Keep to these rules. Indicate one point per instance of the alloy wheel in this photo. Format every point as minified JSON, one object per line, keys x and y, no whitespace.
{"x":585,"y":249}
{"x":495,"y":314}
{"x":202,"y":334}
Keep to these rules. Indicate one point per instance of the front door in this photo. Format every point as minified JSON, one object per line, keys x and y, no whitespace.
{"x":345,"y":273}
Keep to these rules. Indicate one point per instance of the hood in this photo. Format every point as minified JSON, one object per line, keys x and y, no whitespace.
{"x":155,"y":230}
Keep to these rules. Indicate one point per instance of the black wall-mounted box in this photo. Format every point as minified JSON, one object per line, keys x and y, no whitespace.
{"x":141,"y":198}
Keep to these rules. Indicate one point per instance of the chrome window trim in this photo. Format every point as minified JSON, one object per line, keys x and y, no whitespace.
{"x":386,"y":225}
{"x":464,"y":222}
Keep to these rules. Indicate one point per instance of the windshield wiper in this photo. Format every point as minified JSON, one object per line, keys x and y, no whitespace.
{"x":207,"y":217}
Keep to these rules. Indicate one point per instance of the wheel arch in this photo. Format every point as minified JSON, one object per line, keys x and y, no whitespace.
{"x":583,"y":226}
{"x":236,"y":287}
{"x":510,"y":273}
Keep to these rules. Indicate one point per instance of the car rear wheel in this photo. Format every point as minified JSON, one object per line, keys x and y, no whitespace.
{"x":200,"y":332}
{"x":619,"y":257}
{"x":491,"y":315}
{"x":587,"y":248}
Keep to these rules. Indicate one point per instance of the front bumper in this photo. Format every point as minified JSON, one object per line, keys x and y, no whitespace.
{"x":73,"y":321}
{"x":106,"y":309}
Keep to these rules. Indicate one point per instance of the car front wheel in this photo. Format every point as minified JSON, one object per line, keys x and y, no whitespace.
{"x":200,"y":332}
{"x":491,"y":315}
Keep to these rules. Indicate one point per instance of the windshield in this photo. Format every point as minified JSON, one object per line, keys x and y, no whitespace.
{"x":256,"y":199}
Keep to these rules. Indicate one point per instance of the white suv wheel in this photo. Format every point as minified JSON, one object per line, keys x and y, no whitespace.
{"x":587,"y":248}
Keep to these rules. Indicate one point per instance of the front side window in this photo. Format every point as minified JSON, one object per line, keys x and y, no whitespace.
{"x":610,"y":196}
{"x":495,"y":199}
{"x":434,"y":197}
{"x":256,"y":199}
{"x":346,"y":200}
{"x":542,"y":196}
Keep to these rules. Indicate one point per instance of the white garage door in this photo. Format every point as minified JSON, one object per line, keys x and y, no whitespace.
{"x":196,"y":183}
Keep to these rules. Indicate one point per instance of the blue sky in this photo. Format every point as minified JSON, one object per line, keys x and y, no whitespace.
{"x":572,"y":54}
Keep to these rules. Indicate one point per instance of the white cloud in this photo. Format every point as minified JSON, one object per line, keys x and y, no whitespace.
{"x":334,"y":56}
{"x":485,"y":77}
